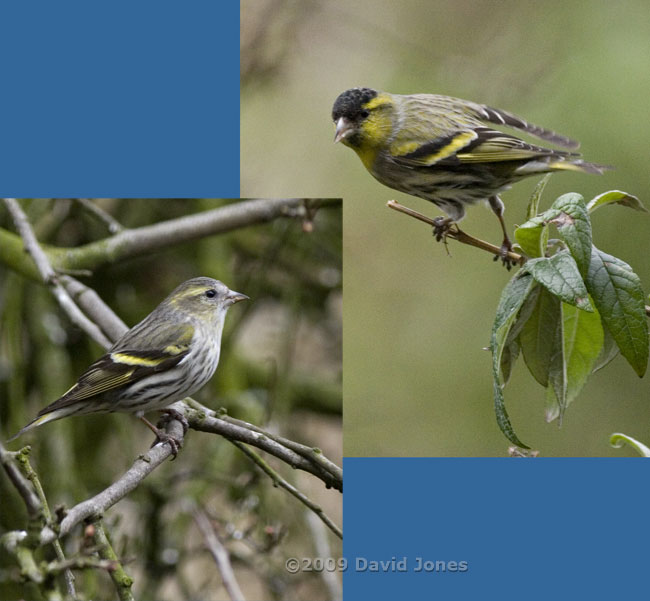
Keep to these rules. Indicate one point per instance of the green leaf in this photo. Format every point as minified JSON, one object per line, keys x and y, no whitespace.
{"x":536,"y":337}
{"x":618,"y":440}
{"x":560,"y":275}
{"x":533,"y":205}
{"x":512,"y":299}
{"x":577,"y":345}
{"x":508,"y":358}
{"x":616,"y":197}
{"x":574,"y":226}
{"x":608,"y":352}
{"x":618,"y":296}
{"x":511,"y":346}
{"x":557,"y":374}
{"x":531,"y":237}
{"x":552,"y":406}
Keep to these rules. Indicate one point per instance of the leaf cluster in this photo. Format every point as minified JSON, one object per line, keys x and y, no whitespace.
{"x":570,"y":309}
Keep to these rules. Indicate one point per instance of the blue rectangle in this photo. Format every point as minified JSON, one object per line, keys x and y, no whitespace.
{"x":119,"y":98}
{"x":526,"y":528}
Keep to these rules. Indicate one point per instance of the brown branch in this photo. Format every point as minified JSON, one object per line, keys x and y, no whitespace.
{"x":95,"y":506}
{"x":282,"y":483}
{"x":457,"y":234}
{"x":219,"y":553}
{"x":464,"y":238}
{"x":311,"y":454}
{"x":203,"y":419}
{"x":48,"y":274}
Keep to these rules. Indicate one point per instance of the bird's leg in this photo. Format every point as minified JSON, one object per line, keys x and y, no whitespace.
{"x":162,"y":436}
{"x":496,"y":204}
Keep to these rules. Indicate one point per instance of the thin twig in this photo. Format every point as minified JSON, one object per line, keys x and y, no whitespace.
{"x":94,"y":306}
{"x":205,"y":420}
{"x":282,"y":483}
{"x":219,"y":553}
{"x":312,"y":454}
{"x":95,"y":506}
{"x":121,"y":580}
{"x":22,"y":484}
{"x":49,"y":276}
{"x":461,"y":236}
{"x":323,"y":549}
{"x":30,"y":473}
{"x":112,"y":224}
{"x":457,"y":234}
{"x":78,"y":563}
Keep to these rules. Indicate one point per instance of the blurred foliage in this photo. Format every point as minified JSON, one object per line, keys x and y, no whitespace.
{"x":280,"y":368}
{"x":416,"y":319}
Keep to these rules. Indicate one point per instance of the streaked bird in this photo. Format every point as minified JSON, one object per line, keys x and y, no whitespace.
{"x":446,"y":150}
{"x":169,"y":355}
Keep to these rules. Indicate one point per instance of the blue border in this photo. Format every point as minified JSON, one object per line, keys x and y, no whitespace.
{"x":119,"y":98}
{"x":527,"y":528}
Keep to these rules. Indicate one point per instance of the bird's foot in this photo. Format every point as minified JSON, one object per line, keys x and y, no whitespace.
{"x":441,"y":227}
{"x":506,"y":247}
{"x":163,"y":437}
{"x":175,"y":444}
{"x":170,"y":414}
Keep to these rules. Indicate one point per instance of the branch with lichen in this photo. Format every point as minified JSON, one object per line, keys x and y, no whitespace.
{"x":128,"y":243}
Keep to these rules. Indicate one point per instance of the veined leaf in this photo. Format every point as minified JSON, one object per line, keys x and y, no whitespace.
{"x":582,"y":341}
{"x":616,"y":197}
{"x":511,"y":346}
{"x":512,"y":299}
{"x":537,"y":335}
{"x":574,"y":226}
{"x":560,"y":275}
{"x":608,"y":352}
{"x":617,"y":293}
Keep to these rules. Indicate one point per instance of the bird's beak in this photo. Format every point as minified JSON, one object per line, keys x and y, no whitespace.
{"x":343,"y":129}
{"x":234,"y":297}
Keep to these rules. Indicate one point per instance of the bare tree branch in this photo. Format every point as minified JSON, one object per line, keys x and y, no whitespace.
{"x":49,"y":276}
{"x":95,"y":506}
{"x":120,"y":578}
{"x":22,"y":484}
{"x":25,"y":479}
{"x":458,"y":234}
{"x":311,"y":454}
{"x":148,"y":239}
{"x":282,"y":483}
{"x":205,"y":420}
{"x":94,"y":306}
{"x":219,"y":553}
{"x":323,"y":549}
{"x":112,"y":225}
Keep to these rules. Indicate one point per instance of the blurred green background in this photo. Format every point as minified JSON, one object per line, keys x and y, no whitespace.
{"x":280,"y":369}
{"x":417,"y":381}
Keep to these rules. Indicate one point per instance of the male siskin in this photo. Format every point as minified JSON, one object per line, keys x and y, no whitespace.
{"x":443,"y":149}
{"x":168,"y":356}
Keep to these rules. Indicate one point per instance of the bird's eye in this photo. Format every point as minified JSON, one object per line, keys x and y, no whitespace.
{"x":364,"y":113}
{"x":211,"y":293}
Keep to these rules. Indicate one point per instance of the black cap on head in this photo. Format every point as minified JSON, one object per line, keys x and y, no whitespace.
{"x":349,"y":103}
